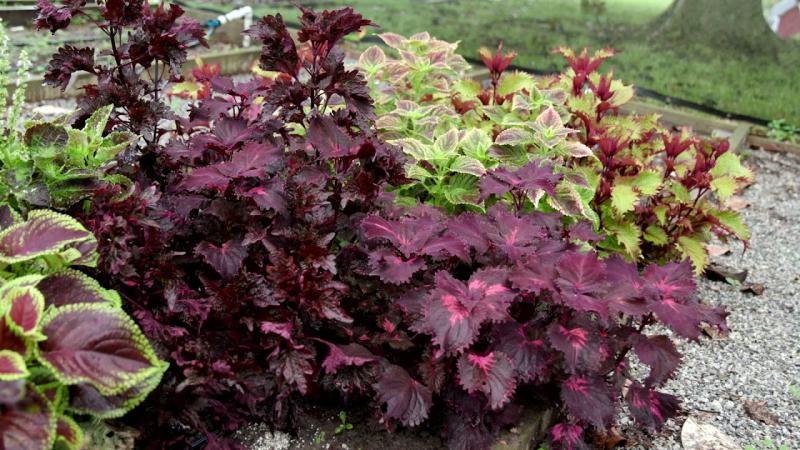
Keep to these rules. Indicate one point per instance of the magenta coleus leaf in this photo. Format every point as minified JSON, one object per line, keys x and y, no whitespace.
{"x":492,"y":374}
{"x":86,"y":399}
{"x":565,"y":436}
{"x":530,"y":356}
{"x":11,"y":392}
{"x":533,"y":177}
{"x":226,"y":259}
{"x":10,"y":340}
{"x":406,"y":399}
{"x":416,"y":236}
{"x":68,"y":433}
{"x":513,"y":235}
{"x":579,"y":345}
{"x":343,"y":356}
{"x":25,"y":309}
{"x":673,"y":281}
{"x":392,"y":268}
{"x":12,"y":366}
{"x":650,"y":408}
{"x":582,"y":283}
{"x":70,"y":286}
{"x":45,"y":232}
{"x":589,"y":398}
{"x":330,"y":140}
{"x":95,"y":344}
{"x":28,"y":424}
{"x":293,"y":366}
{"x":660,"y":354}
{"x":456,"y":310}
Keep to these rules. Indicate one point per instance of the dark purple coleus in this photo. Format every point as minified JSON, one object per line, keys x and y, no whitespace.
{"x":142,"y":38}
{"x":528,"y":308}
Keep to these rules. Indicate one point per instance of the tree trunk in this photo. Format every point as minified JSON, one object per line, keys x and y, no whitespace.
{"x":729,"y":25}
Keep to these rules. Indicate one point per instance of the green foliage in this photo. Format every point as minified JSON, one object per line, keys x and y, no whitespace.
{"x":455,"y":133}
{"x":67,"y":347}
{"x":782,"y":131}
{"x":766,"y":444}
{"x":53,"y":165}
{"x":653,"y":195}
{"x":343,"y":425}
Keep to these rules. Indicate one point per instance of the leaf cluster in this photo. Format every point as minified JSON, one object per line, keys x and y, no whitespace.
{"x":67,"y":348}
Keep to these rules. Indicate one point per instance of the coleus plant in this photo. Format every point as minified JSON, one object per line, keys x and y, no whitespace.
{"x":143,"y":40}
{"x":506,"y":302}
{"x":660,"y":194}
{"x":234,"y":264}
{"x":53,"y":165}
{"x":67,"y":347}
{"x":458,"y":134}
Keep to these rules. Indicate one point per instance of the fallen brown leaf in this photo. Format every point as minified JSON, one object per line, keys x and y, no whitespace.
{"x":717,"y":250}
{"x":736,"y":203}
{"x":758,"y":410}
{"x":753,"y":288}
{"x":720,"y":272}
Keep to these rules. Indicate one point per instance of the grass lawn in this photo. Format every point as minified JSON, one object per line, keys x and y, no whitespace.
{"x":741,"y":84}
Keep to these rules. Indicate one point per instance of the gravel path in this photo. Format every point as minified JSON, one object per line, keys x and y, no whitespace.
{"x":760,"y":359}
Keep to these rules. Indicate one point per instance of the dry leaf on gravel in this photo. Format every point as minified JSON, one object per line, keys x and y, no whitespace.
{"x":719,"y":272}
{"x":758,"y":410}
{"x":715,"y":250}
{"x":753,"y":288}
{"x":736,"y":203}
{"x":703,"y":436}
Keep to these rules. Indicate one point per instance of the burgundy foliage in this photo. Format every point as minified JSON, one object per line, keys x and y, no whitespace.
{"x":142,"y":38}
{"x":528,"y":309}
{"x":269,"y":264}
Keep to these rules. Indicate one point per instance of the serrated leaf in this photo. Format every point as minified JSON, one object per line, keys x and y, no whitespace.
{"x":724,"y":187}
{"x":661,"y":213}
{"x":492,"y":374}
{"x":372,"y":58}
{"x":623,"y":198}
{"x":446,"y":145}
{"x":514,"y":136}
{"x":647,"y":182}
{"x":462,"y":190}
{"x":467,"y":89}
{"x":681,"y":193}
{"x":69,"y":435}
{"x":468,"y":165}
{"x":732,"y":221}
{"x":44,"y":233}
{"x":622,"y":93}
{"x":25,"y":308}
{"x":694,"y":249}
{"x":514,"y":82}
{"x":729,"y":164}
{"x":12,"y":366}
{"x":28,"y":424}
{"x":628,"y":235}
{"x":656,"y":235}
{"x":406,"y":399}
{"x":96,"y":344}
{"x":476,"y":143}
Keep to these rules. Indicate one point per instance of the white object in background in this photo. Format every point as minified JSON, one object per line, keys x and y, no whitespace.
{"x":246,"y":14}
{"x":777,"y":11}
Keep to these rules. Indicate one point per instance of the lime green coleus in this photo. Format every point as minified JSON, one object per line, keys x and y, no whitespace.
{"x":614,"y":170}
{"x":53,"y":165}
{"x":66,"y":345}
{"x":453,"y":136}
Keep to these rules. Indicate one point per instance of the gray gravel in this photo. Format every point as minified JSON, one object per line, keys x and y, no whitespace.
{"x":760,"y":358}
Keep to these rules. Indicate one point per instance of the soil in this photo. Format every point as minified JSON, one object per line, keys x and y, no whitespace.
{"x":318,"y":431}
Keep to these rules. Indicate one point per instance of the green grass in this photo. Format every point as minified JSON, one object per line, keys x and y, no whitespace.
{"x":730,"y":82}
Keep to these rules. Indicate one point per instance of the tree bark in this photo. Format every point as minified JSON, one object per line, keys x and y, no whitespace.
{"x":729,"y":25}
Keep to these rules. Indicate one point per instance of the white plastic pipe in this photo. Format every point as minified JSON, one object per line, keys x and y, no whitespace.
{"x":246,"y":14}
